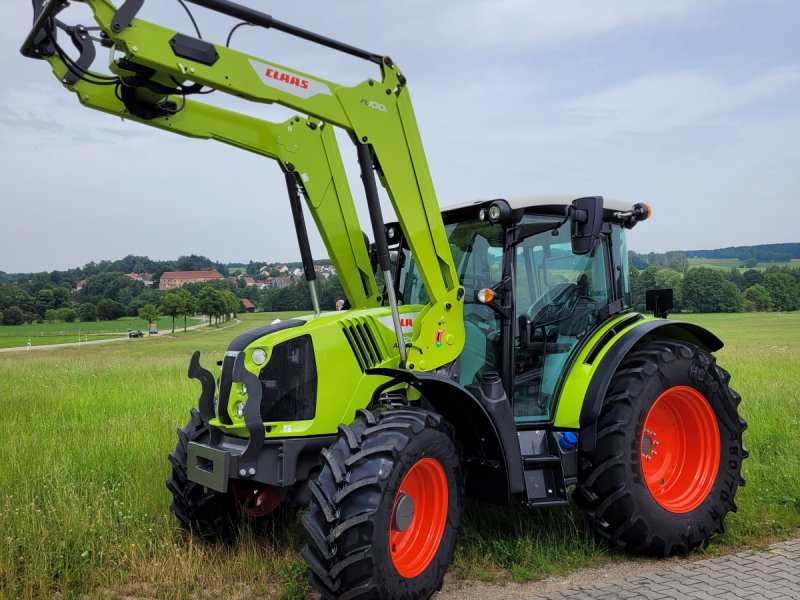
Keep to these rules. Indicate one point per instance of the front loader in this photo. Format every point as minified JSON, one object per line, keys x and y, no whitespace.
{"x":498,"y":358}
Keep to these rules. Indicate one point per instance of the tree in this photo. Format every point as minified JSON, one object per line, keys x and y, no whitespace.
{"x":150,"y":314}
{"x":752,"y":277}
{"x":735,"y":276}
{"x":707,"y":290}
{"x":232,"y":304}
{"x":758,"y":297}
{"x":677,"y":261}
{"x":110,"y":310}
{"x":645,"y":280}
{"x":87,"y":312}
{"x":44,"y":301}
{"x":188,"y":305}
{"x":13,"y":316}
{"x":172,"y":306}
{"x":783,"y":288}
{"x":210,"y":302}
{"x":61,"y":297}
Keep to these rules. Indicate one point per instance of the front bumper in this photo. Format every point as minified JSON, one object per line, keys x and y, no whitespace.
{"x":280,"y":463}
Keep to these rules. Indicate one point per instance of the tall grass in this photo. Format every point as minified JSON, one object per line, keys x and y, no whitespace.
{"x":84,"y":435}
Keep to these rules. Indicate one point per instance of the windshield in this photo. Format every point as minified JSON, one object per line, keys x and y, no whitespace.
{"x":477,"y":248}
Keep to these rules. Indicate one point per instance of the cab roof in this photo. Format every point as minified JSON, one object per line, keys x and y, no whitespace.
{"x":542,"y":201}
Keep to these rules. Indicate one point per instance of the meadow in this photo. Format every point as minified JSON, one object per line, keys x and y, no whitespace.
{"x":86,"y":431}
{"x":725,"y":264}
{"x":41,"y":334}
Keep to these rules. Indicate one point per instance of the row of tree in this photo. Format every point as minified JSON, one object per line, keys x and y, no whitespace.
{"x":702,"y":289}
{"x":219,"y":305}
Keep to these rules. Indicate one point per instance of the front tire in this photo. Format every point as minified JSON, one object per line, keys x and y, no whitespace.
{"x":668,"y":458}
{"x":208,"y":514}
{"x":386,"y":507}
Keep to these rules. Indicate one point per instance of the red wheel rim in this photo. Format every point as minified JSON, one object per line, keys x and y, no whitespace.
{"x":680,"y":449}
{"x":413,"y":549}
{"x":255,"y":501}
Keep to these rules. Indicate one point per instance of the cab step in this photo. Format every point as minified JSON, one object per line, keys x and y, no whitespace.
{"x":543,"y":461}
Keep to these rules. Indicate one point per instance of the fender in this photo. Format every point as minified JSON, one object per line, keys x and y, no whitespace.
{"x":645,"y":331}
{"x":494,"y":470}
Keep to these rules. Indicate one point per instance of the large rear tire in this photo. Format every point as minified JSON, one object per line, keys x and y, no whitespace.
{"x":385,"y":509}
{"x":668,"y":458}
{"x":208,"y":514}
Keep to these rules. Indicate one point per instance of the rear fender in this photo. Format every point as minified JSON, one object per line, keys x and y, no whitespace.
{"x":646,"y":331}
{"x":490,"y":448}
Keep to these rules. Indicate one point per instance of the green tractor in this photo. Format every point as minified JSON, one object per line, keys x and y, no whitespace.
{"x":489,"y":350}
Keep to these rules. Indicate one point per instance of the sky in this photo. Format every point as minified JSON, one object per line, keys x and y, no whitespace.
{"x":692,"y":106}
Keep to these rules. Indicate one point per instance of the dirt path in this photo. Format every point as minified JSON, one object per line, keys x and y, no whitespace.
{"x":104,"y":341}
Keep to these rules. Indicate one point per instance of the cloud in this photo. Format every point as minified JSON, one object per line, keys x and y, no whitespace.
{"x":662,"y":102}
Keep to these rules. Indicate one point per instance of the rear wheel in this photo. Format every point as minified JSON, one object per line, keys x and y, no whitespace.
{"x":386,"y":507}
{"x":668,"y":458}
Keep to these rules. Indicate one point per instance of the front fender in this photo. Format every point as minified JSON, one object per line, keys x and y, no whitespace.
{"x":488,"y":438}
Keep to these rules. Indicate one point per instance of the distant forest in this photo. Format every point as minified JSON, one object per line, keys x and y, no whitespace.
{"x":757,"y":283}
{"x":762,"y":253}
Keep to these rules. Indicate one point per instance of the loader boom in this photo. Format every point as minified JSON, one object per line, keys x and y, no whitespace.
{"x":155,"y":65}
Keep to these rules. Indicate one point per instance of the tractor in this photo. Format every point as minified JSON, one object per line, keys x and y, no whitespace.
{"x":488,"y":350}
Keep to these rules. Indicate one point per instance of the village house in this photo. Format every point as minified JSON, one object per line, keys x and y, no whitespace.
{"x":145,"y":278}
{"x":248,"y":306}
{"x":278,"y":282}
{"x":172,"y":280}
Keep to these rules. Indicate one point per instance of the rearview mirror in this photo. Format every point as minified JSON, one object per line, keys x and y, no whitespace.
{"x":587,"y":218}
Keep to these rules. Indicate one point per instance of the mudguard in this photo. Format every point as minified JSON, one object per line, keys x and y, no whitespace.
{"x":644,"y":331}
{"x":493,"y":460}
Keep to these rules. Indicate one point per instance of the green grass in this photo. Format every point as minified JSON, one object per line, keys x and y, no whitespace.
{"x":60,"y":332}
{"x":85,"y":433}
{"x":726,"y":264}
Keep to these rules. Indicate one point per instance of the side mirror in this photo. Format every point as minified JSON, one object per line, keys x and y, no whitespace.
{"x":660,"y":301}
{"x":587,"y":219}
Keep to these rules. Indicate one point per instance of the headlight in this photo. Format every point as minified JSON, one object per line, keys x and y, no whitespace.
{"x":240,"y":409}
{"x":259,"y":356}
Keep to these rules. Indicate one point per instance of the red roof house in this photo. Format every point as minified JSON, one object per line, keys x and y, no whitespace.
{"x":175,"y":279}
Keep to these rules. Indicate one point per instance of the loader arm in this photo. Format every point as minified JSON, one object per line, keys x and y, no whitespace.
{"x":377,"y":114}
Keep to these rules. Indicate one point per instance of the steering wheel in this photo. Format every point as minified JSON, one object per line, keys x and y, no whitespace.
{"x":557,"y":294}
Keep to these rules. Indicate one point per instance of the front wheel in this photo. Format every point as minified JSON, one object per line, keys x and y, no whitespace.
{"x":386,"y":507}
{"x":205,"y":513}
{"x":668,"y":458}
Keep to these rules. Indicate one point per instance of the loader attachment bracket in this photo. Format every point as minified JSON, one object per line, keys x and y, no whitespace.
{"x":252,"y":417}
{"x":206,"y":402}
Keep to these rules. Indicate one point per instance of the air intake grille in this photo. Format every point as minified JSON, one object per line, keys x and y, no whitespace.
{"x":289,"y":382}
{"x":365,"y":347}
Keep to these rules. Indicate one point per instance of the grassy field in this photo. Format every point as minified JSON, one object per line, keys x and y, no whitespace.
{"x":41,"y":334}
{"x":85,"y":434}
{"x":725,"y":264}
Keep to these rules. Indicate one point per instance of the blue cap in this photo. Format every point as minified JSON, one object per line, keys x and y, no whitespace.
{"x":568,"y":440}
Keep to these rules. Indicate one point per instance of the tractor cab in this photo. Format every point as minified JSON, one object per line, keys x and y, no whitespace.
{"x":531,"y":296}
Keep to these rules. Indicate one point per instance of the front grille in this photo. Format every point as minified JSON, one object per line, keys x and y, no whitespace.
{"x":289,"y":382}
{"x":362,"y":341}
